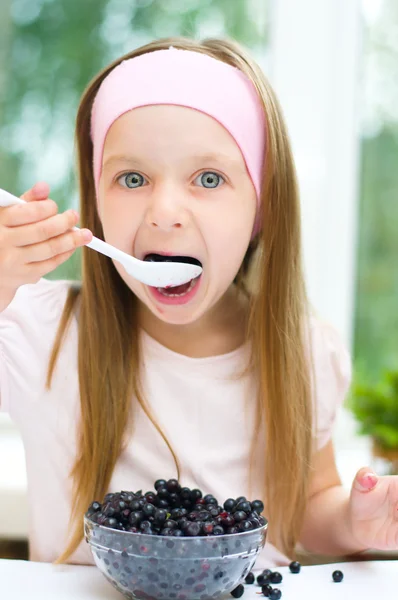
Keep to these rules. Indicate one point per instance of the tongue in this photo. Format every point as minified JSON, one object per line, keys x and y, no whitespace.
{"x":178,"y":289}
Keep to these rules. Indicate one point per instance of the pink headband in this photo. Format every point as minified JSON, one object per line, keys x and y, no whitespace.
{"x":183,"y":78}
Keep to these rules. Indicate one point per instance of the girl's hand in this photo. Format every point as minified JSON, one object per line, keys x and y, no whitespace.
{"x":373,"y":510}
{"x":34,"y":240}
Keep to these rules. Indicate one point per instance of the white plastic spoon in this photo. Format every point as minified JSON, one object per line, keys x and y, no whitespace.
{"x":156,"y":274}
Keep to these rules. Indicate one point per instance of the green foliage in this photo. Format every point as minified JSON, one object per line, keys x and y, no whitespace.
{"x":375,"y":407}
{"x":376,"y":314}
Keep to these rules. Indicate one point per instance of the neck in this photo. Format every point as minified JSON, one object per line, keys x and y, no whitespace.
{"x":221,"y":330}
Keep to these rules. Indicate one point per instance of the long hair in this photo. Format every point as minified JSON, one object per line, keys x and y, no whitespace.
{"x":271,"y":275}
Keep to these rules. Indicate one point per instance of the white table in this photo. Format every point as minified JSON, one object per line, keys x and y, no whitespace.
{"x":20,"y":580}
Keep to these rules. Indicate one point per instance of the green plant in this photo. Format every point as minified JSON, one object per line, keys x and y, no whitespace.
{"x":375,"y":407}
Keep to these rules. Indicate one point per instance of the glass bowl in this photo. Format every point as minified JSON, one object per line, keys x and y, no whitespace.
{"x":154,"y":567}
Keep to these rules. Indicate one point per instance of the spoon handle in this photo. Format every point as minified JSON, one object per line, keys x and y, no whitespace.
{"x":104,"y":248}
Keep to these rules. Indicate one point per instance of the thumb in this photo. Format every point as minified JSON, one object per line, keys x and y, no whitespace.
{"x":365,"y":480}
{"x":39,"y":191}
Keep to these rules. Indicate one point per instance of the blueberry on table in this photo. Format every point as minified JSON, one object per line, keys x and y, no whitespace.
{"x":238,"y":592}
{"x":266,"y":589}
{"x":264,"y":577}
{"x":275,"y":594}
{"x":276,"y":577}
{"x":295,"y":567}
{"x":250,"y":578}
{"x":337,"y":576}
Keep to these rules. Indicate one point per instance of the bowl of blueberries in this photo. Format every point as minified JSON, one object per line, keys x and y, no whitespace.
{"x":174,"y":543}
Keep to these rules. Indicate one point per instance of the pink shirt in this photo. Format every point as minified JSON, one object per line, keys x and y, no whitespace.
{"x":207,"y":415}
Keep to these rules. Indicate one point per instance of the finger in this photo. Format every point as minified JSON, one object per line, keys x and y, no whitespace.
{"x":35,"y":233}
{"x":365,"y":480}
{"x":40,"y":269}
{"x":40,"y":191}
{"x":58,"y":245}
{"x":24,"y":214}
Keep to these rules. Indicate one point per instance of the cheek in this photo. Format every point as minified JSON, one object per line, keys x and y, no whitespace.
{"x":120,"y":225}
{"x":228,"y":238}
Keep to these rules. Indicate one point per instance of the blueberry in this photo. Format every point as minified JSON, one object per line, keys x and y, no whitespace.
{"x":146,"y":527}
{"x":149,"y":510}
{"x":266,"y":589}
{"x":160,"y":483}
{"x":250,"y":578}
{"x":245,"y":526}
{"x":295,"y":567}
{"x":136,"y":517}
{"x":208,"y":528}
{"x":111,"y":522}
{"x":178,"y":533}
{"x":218,"y":530}
{"x":185,"y":493}
{"x":337,"y":576}
{"x":275,"y":594}
{"x":160,"y":516}
{"x":162,"y":503}
{"x":264,"y":577}
{"x":163,"y":493}
{"x":245,"y":506}
{"x":238,"y":591}
{"x":229,"y":504}
{"x":239,"y":516}
{"x":257,"y":506}
{"x":193,"y":529}
{"x":195,"y":495}
{"x":108,"y":510}
{"x":203,"y":515}
{"x":275,"y":577}
{"x":177,"y":513}
{"x":233,"y":530}
{"x":210,"y":499}
{"x":228,"y":521}
{"x":170,"y":524}
{"x":173,"y":486}
{"x":150,"y":497}
{"x":94,"y":507}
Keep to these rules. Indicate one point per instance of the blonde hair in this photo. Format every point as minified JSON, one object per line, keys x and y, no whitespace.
{"x":108,"y":355}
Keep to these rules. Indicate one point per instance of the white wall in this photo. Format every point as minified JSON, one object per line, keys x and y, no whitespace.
{"x":315,"y":70}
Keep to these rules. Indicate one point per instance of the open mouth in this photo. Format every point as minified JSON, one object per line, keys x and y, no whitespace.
{"x":178,"y":290}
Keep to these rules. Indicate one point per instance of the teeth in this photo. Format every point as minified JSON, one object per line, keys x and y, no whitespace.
{"x":191,"y":285}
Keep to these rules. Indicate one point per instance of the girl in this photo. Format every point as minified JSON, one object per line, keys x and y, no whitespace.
{"x":227,"y":382}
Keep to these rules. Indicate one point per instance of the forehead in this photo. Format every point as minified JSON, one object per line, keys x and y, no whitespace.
{"x":166,"y":127}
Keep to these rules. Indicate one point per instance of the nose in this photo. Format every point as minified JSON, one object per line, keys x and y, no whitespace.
{"x":166,"y":210}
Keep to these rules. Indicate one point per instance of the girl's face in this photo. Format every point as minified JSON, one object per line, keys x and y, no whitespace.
{"x":174,"y":182}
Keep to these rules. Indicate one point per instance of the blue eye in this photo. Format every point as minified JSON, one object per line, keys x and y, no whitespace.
{"x":209,"y":179}
{"x":131,"y":180}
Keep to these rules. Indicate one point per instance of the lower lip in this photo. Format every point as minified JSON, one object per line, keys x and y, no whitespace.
{"x":176,"y":300}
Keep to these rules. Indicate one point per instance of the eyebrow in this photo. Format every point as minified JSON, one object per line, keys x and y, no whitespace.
{"x":205,"y":158}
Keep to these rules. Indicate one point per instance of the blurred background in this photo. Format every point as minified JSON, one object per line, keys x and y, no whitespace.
{"x":334,"y":65}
